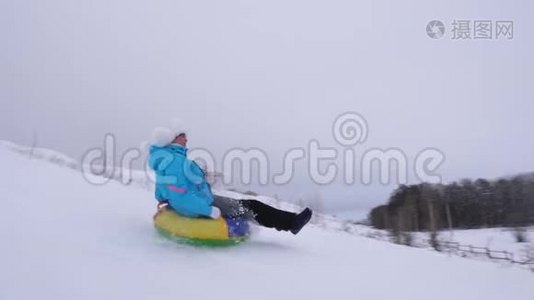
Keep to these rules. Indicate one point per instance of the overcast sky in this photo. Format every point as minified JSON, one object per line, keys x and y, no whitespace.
{"x":273,"y":75}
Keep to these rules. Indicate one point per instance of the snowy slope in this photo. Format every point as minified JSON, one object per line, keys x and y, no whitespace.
{"x":63,"y":238}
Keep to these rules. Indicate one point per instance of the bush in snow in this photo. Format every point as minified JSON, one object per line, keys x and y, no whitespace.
{"x":434,"y":242}
{"x":402,"y":237}
{"x":520,"y":234}
{"x":250,"y":193}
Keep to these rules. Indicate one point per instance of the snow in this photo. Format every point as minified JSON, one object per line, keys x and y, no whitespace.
{"x":63,"y":238}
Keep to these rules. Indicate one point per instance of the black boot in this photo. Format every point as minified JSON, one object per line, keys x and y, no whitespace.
{"x":300,"y":220}
{"x":269,"y":216}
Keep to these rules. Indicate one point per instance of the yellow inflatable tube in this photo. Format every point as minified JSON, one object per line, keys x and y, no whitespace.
{"x":209,"y":232}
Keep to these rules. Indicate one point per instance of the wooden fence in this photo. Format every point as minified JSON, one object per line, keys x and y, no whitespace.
{"x":469,"y":250}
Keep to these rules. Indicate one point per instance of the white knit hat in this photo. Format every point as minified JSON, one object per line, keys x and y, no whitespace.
{"x":163,"y":136}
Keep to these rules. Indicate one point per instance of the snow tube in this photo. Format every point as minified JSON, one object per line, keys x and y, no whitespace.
{"x":201,"y":231}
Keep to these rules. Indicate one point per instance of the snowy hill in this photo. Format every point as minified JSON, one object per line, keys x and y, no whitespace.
{"x":63,"y":238}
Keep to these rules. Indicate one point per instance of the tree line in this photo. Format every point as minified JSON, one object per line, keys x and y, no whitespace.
{"x":463,"y":204}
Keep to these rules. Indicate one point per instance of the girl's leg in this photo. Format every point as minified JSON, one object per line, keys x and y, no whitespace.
{"x":231,"y":207}
{"x":263,"y":214}
{"x":269,"y":216}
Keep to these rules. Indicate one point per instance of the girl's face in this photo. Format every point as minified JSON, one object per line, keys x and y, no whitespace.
{"x":181,"y":139}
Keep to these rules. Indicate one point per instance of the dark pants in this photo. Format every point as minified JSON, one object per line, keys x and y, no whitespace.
{"x":257,"y":211}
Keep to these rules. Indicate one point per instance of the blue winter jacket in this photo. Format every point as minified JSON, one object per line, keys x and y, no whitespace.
{"x":180,"y":181}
